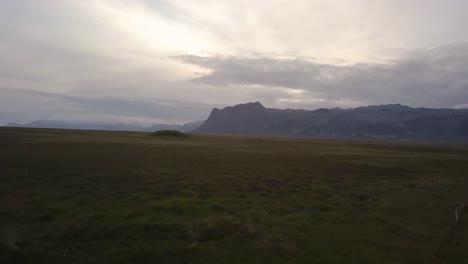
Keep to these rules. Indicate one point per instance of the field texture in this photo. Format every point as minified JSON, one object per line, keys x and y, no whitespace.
{"x":121,"y":197}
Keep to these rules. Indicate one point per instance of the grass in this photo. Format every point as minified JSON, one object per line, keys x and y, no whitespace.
{"x":125,"y":197}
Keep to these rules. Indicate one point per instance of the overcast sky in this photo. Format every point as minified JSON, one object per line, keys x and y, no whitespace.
{"x":171,"y":61}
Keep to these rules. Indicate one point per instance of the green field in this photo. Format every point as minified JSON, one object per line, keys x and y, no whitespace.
{"x":126,"y":197}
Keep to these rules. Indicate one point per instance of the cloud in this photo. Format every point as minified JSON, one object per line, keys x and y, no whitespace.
{"x":432,"y":77}
{"x":462,"y":106}
{"x":55,"y":106}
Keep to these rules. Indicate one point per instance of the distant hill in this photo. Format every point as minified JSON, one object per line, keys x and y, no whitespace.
{"x":114,"y":127}
{"x":376,"y":121}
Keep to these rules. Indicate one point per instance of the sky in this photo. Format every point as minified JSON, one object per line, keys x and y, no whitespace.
{"x":171,"y":61}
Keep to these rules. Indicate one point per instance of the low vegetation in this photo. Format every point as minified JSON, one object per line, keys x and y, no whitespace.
{"x":123,"y":197}
{"x":169,"y":133}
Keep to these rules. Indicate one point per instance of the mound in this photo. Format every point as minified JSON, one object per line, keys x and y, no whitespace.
{"x":169,"y":133}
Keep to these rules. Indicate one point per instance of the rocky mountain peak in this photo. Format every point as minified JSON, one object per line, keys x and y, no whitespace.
{"x":249,"y":118}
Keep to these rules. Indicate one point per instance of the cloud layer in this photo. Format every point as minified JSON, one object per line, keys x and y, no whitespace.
{"x":432,"y":78}
{"x":140,"y":111}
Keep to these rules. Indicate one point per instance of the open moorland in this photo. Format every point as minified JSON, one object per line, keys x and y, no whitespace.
{"x":69,"y":196}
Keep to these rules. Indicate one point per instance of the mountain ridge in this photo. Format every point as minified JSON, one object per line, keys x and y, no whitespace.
{"x":374,"y":121}
{"x":112,"y":127}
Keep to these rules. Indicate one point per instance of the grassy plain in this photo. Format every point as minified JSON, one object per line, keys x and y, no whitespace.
{"x":125,"y":197}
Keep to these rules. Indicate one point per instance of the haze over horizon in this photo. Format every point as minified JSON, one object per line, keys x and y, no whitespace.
{"x":160,"y":61}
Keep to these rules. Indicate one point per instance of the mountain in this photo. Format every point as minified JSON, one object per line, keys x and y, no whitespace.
{"x":190,"y":126}
{"x":376,"y":121}
{"x":182,"y":128}
{"x":65,"y":125}
{"x":114,"y":127}
{"x":243,"y":119}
